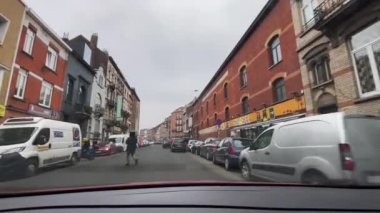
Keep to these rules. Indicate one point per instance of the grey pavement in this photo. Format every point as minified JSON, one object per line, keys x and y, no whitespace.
{"x":155,"y":164}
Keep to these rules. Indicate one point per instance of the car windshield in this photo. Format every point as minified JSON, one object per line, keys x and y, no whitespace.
{"x":242,"y":143}
{"x":117,"y":92}
{"x":12,"y":136}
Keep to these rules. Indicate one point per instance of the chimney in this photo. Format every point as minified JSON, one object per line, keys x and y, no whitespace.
{"x":94,"y":40}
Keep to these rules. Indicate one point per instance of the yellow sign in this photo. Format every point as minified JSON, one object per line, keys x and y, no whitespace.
{"x":2,"y":110}
{"x":279,"y":110}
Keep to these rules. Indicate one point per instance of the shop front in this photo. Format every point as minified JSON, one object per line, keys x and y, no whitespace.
{"x":252,"y":124}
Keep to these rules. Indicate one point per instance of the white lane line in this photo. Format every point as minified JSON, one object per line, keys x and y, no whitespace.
{"x":219,"y":170}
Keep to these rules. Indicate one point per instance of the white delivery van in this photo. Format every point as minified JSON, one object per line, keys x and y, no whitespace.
{"x":120,"y":140}
{"x":334,"y":148}
{"x":30,"y":143}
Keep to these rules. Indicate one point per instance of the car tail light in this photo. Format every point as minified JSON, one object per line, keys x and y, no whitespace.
{"x":346,"y":157}
{"x":232,"y":150}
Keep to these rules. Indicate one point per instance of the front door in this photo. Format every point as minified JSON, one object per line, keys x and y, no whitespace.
{"x":44,"y":147}
{"x":260,"y":155}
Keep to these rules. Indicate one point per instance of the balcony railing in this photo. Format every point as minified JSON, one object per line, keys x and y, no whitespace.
{"x":111,"y":85}
{"x":83,"y":111}
{"x":111,"y":102}
{"x":327,"y":7}
{"x":99,"y":111}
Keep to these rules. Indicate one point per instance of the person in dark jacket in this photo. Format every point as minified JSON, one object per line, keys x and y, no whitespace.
{"x":131,"y":147}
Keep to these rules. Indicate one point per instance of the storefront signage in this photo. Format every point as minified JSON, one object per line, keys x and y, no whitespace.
{"x":288,"y":107}
{"x":46,"y":113}
{"x":2,"y":110}
{"x":36,"y":110}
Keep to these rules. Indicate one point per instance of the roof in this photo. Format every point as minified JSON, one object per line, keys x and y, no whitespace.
{"x":80,"y":59}
{"x":49,"y":31}
{"x":135,"y":94}
{"x":260,"y":17}
{"x":119,"y":71}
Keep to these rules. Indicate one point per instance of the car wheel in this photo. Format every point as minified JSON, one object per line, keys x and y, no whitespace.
{"x":74,"y":159}
{"x":213,"y":159}
{"x":246,"y":171}
{"x":31,"y":168}
{"x":227,"y":164}
{"x":314,"y":178}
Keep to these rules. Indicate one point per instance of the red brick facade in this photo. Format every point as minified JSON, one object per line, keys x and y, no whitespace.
{"x":34,"y":65}
{"x":253,"y":52}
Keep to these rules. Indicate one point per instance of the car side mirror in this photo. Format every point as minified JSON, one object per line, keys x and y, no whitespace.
{"x":41,"y":140}
{"x":252,"y":146}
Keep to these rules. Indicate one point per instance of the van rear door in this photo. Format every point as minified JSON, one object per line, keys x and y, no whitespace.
{"x":363,"y":136}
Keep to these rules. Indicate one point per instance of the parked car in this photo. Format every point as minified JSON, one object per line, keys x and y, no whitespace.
{"x":120,"y":140}
{"x":323,"y":149}
{"x":179,"y":144}
{"x":106,"y":149}
{"x":166,"y":144}
{"x":190,"y":145}
{"x":228,"y":151}
{"x":197,"y":147}
{"x":30,"y":143}
{"x":207,"y":150}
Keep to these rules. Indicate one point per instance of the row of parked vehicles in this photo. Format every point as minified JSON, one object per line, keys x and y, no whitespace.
{"x":333,"y":148}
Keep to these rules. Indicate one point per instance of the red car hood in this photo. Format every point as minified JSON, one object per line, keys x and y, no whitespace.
{"x":7,"y":192}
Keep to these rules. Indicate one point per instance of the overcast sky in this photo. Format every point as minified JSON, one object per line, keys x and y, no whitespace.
{"x":165,"y":48}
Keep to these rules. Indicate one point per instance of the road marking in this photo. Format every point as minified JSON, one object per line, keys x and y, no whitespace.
{"x":219,"y":170}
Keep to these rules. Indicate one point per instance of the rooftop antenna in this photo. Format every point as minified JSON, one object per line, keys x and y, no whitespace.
{"x":66,"y":35}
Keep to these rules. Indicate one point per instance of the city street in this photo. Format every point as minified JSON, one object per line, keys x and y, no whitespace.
{"x":155,"y":164}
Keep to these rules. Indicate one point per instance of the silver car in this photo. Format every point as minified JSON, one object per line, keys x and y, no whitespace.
{"x":323,"y":149}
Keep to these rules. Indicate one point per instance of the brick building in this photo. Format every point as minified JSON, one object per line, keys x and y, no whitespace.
{"x":11,"y":18}
{"x":37,"y":82}
{"x":176,"y":123}
{"x":259,"y":83}
{"x":338,"y":44}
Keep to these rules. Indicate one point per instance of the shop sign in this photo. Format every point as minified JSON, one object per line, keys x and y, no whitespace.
{"x":288,"y":107}
{"x":2,"y":110}
{"x":39,"y":111}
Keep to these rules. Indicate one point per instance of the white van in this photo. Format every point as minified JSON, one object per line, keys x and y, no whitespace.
{"x":120,"y":140}
{"x":29,"y":143}
{"x":334,"y":148}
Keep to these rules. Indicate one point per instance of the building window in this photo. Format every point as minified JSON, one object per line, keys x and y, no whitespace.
{"x":225,"y":90}
{"x":307,"y":10}
{"x":45,"y":95}
{"x":29,"y":41}
{"x":98,"y":100}
{"x":321,"y":71}
{"x":87,"y":54}
{"x":51,"y":59}
{"x":4,"y":24}
{"x":208,"y":123}
{"x":81,"y":95}
{"x":245,"y":105}
{"x":1,"y":77}
{"x":279,"y":90}
{"x":366,"y":55}
{"x":215,"y":117}
{"x":207,"y":107}
{"x":20,"y":84}
{"x":227,"y":113}
{"x":69,"y":90}
{"x":100,"y":80}
{"x":243,"y":76}
{"x":275,"y":50}
{"x":214,"y":100}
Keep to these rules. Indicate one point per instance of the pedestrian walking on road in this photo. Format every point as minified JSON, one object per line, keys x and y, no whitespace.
{"x":131,"y":147}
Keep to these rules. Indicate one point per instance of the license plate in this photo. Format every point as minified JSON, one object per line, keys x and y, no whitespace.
{"x":373,"y":179}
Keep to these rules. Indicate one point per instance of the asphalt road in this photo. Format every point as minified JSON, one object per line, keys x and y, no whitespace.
{"x":155,"y":164}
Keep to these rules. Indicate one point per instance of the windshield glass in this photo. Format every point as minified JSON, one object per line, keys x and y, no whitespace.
{"x":274,"y":91}
{"x":116,"y":140}
{"x":15,"y":135}
{"x":242,"y":143}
